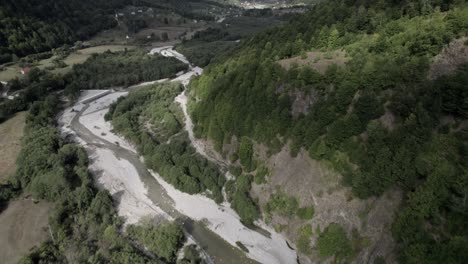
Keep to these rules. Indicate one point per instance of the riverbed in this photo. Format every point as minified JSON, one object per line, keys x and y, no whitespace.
{"x":140,"y":194}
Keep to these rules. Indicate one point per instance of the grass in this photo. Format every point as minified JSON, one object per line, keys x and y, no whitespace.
{"x":82,"y":55}
{"x":11,"y":132}
{"x":306,"y":213}
{"x":24,"y":225}
{"x":12,"y":71}
{"x":303,"y":242}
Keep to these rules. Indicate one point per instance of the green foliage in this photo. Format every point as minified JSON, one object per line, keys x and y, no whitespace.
{"x":238,"y":194}
{"x":121,"y":69}
{"x":367,"y":107}
{"x":303,"y":241}
{"x":83,"y":221}
{"x":376,"y":120}
{"x":165,"y":147}
{"x":261,"y":174}
{"x":163,"y":240}
{"x":47,"y":166}
{"x":306,"y":213}
{"x":454,"y":92}
{"x":245,"y":207}
{"x":246,"y":154}
{"x":35,"y":87}
{"x":191,"y":256}
{"x":282,"y":204}
{"x":35,"y":26}
{"x":334,"y":242}
{"x":206,"y":45}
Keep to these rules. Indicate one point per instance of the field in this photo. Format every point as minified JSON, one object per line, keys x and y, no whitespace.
{"x":152,"y":34}
{"x":10,"y":72}
{"x":82,"y":55}
{"x":78,"y":57}
{"x":23,"y":226}
{"x":22,"y":223}
{"x":11,"y":132}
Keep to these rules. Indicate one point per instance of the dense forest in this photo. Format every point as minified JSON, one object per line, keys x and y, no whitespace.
{"x":28,"y":27}
{"x":389,"y":46}
{"x":124,"y":68}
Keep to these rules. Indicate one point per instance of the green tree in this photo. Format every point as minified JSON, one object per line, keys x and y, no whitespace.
{"x":334,"y":242}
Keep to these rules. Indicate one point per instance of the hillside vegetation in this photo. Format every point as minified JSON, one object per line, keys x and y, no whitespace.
{"x":378,"y":119}
{"x":123,"y":68}
{"x":28,"y":27}
{"x":151,"y":119}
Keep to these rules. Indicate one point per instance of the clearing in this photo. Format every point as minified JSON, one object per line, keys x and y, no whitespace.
{"x":317,"y":60}
{"x":82,"y":55}
{"x":11,"y":132}
{"x":23,"y":226}
{"x":12,"y":71}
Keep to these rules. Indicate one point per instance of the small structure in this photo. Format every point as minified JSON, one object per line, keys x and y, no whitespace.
{"x":25,"y":70}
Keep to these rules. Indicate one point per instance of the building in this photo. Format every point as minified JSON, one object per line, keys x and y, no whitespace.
{"x":25,"y":70}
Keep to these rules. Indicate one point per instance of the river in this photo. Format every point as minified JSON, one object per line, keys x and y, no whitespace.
{"x":140,"y":193}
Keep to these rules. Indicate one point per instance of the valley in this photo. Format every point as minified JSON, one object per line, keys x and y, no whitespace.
{"x":138,"y":195}
{"x":225,"y":131}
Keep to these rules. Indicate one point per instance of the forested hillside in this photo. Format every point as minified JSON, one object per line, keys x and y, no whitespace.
{"x":375,"y":114}
{"x":28,"y":27}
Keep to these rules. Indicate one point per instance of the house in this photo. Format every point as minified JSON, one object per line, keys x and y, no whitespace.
{"x":25,"y":70}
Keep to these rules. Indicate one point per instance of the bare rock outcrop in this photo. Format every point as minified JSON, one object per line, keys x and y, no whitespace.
{"x":452,"y":56}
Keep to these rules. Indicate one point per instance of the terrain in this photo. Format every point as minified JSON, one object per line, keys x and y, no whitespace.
{"x":24,"y":226}
{"x":334,"y":111}
{"x":11,"y":132}
{"x":236,"y":131}
{"x":63,"y":178}
{"x":24,"y":221}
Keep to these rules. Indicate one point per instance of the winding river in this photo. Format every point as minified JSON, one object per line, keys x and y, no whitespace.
{"x":138,"y":191}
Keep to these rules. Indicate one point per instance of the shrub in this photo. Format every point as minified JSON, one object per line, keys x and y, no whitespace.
{"x":334,"y":242}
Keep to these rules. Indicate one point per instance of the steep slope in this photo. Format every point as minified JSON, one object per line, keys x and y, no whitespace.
{"x":376,"y":120}
{"x":28,"y":27}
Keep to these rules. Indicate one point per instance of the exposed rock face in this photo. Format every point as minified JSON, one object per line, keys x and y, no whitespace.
{"x":317,"y":60}
{"x":313,"y":183}
{"x":302,"y":101}
{"x":452,"y":56}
